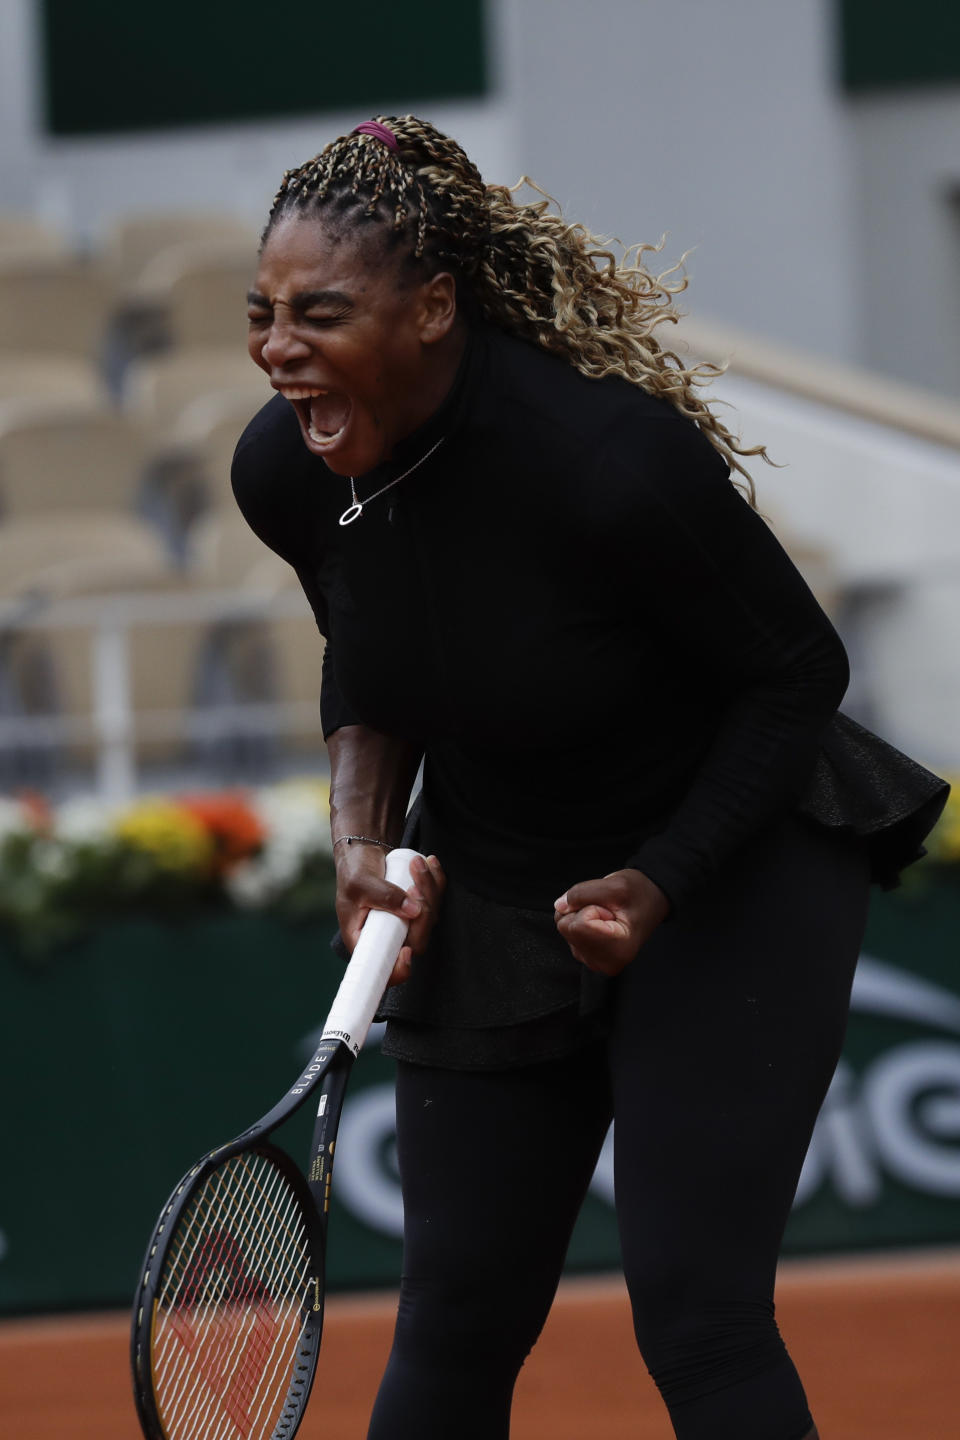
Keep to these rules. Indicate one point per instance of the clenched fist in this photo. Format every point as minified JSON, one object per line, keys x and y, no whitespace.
{"x":605,"y":922}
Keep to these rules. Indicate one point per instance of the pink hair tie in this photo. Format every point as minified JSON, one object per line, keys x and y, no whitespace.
{"x":379,"y":132}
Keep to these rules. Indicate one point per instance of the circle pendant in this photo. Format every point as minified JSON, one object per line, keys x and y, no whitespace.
{"x":352,"y":512}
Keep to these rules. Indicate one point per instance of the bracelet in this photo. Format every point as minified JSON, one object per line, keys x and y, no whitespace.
{"x":365,"y":839}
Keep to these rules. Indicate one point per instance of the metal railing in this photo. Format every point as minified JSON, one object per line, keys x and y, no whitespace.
{"x":114,"y":726}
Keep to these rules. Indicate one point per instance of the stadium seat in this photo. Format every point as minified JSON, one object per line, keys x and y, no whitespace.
{"x":183,"y":678}
{"x":61,"y":553}
{"x":158,"y":389}
{"x":24,"y":237}
{"x":223,"y":553}
{"x":27,"y":381}
{"x":209,"y":430}
{"x":157,"y":255}
{"x":298,"y":647}
{"x":201,"y":290}
{"x":163,"y":662}
{"x":190,"y":473}
{"x":72,"y":460}
{"x":50,"y":304}
{"x":133,"y":241}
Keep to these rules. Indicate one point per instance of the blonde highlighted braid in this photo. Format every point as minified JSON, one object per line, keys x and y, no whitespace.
{"x":518,"y":265}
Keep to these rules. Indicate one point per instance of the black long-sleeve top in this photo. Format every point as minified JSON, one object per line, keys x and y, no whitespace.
{"x":606,"y":655}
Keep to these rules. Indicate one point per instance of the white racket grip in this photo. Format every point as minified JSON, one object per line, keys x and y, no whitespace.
{"x":366,"y":976}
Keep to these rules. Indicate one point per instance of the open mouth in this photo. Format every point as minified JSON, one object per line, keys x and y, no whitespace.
{"x":323,"y":414}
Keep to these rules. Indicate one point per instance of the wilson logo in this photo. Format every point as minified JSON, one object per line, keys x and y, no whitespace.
{"x":225,"y":1325}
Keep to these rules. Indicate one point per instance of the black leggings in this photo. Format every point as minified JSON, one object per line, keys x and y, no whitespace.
{"x":726,"y":1032}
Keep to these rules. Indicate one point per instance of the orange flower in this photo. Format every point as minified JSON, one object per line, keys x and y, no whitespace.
{"x":37,"y":810}
{"x":231,"y":823}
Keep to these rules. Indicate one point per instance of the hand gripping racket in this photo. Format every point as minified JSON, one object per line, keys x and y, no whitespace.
{"x":229,"y":1309}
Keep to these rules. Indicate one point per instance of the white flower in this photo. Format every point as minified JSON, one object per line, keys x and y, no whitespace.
{"x":294,"y":817}
{"x":13,"y":819}
{"x":53,"y":860}
{"x":84,"y":820}
{"x":296,"y":823}
{"x":297,"y":816}
{"x":249,"y":884}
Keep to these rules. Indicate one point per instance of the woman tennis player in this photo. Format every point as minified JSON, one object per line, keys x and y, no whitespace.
{"x":534,"y":554}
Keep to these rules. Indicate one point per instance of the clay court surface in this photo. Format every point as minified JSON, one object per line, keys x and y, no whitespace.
{"x":876,"y":1340}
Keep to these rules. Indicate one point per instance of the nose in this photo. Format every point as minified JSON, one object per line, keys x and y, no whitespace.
{"x":283,"y":346}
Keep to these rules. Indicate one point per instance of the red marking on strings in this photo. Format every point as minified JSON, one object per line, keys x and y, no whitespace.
{"x":233,"y":1379}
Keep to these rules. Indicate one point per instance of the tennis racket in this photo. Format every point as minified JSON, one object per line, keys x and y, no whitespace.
{"x":229,"y":1310}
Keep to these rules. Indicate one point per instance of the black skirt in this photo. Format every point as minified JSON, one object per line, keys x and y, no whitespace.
{"x":496,"y":986}
{"x":862,"y":786}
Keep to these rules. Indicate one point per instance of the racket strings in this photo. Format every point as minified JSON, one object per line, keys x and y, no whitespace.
{"x":231,"y":1324}
{"x":233,"y":1358}
{"x":231,"y":1305}
{"x":246,"y":1341}
{"x":232,"y":1337}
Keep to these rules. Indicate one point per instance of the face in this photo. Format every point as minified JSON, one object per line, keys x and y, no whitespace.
{"x":348,"y":343}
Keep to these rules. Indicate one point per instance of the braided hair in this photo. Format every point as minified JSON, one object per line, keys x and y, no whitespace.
{"x":518,"y":265}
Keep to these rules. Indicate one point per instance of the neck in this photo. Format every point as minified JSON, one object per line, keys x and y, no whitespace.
{"x":442,"y":362}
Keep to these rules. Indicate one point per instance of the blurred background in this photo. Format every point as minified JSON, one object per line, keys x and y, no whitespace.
{"x":162,"y":774}
{"x":802,"y":155}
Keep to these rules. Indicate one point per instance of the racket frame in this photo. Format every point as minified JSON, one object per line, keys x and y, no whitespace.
{"x":327,"y":1072}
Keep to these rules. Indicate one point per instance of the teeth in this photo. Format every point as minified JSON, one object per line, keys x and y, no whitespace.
{"x":297,"y":392}
{"x":319,"y":439}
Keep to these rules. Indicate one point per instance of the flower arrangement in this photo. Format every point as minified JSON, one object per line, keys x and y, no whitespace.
{"x":63,"y":871}
{"x":943,"y":843}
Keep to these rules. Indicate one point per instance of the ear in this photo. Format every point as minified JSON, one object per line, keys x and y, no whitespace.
{"x":438,"y":307}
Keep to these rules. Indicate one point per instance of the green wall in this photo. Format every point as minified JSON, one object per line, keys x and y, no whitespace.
{"x":126,"y":1056}
{"x":886,"y":44}
{"x":117,"y":65}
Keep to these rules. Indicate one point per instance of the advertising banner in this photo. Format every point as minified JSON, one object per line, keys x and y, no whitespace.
{"x":127,"y":1057}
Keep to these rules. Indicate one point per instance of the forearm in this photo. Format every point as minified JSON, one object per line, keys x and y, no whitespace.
{"x":734,"y":619}
{"x":371,"y":776}
{"x":756,"y":767}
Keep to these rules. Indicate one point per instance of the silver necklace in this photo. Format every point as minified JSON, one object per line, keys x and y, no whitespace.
{"x":355,"y":509}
